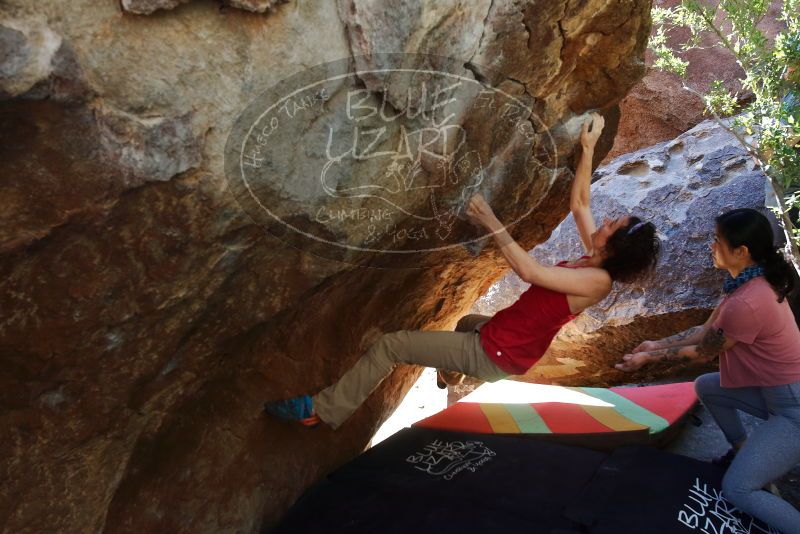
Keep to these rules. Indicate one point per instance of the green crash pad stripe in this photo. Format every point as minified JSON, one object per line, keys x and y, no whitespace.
{"x":528,"y":419}
{"x":628,"y":408}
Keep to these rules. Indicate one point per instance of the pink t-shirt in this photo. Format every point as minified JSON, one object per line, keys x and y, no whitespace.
{"x":767,"y":349}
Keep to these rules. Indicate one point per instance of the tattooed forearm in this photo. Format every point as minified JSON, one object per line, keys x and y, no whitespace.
{"x":673,"y":353}
{"x":680,"y":355}
{"x":706,"y":350}
{"x":676,"y":354}
{"x":682,"y":335}
{"x":711,"y":344}
{"x":688,"y":337}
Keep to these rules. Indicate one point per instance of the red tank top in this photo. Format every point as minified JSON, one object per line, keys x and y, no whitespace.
{"x":516,"y":337}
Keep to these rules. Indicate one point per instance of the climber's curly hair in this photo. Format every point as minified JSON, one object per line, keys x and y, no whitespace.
{"x":632,"y":251}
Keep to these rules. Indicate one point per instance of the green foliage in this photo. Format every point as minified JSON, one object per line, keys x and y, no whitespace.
{"x":767,"y":121}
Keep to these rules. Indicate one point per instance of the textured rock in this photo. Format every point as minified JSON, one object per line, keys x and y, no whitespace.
{"x":560,"y":53}
{"x":36,"y":61}
{"x":582,"y":41}
{"x":146,"y":7}
{"x":147,"y":317}
{"x":659,"y":108}
{"x":153,"y":147}
{"x":256,"y":6}
{"x":679,"y":185}
{"x":29,"y":48}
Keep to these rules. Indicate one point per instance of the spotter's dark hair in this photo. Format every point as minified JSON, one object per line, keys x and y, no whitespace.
{"x":749,"y":227}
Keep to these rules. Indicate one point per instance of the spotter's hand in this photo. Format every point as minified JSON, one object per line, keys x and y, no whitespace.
{"x":633,"y":362}
{"x":645,"y":346}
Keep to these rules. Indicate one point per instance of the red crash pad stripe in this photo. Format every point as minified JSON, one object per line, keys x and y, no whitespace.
{"x":564,"y":418}
{"x":462,"y":416}
{"x":670,"y":401}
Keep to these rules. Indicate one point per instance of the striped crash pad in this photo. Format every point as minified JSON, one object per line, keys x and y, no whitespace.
{"x":593,"y":417}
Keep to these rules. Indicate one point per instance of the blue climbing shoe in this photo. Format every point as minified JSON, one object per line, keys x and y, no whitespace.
{"x":295,"y":409}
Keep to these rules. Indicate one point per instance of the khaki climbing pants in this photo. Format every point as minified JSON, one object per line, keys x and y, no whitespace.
{"x":455,"y":351}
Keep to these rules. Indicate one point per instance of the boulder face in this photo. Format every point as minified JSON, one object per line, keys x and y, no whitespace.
{"x":680,"y":186}
{"x":150,"y":308}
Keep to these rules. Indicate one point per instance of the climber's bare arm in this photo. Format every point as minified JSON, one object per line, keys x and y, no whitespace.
{"x":580,"y":197}
{"x":586,"y":282}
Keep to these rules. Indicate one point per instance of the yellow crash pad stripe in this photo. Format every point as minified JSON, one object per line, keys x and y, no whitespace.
{"x":499,"y":419}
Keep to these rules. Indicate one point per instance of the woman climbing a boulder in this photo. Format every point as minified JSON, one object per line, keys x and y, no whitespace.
{"x":621,"y":249}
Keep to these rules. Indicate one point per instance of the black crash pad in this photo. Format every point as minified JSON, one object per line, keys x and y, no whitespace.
{"x":424,"y":480}
{"x":645,"y":490}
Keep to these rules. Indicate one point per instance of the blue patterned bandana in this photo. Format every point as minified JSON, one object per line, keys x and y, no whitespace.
{"x":746,"y":275}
